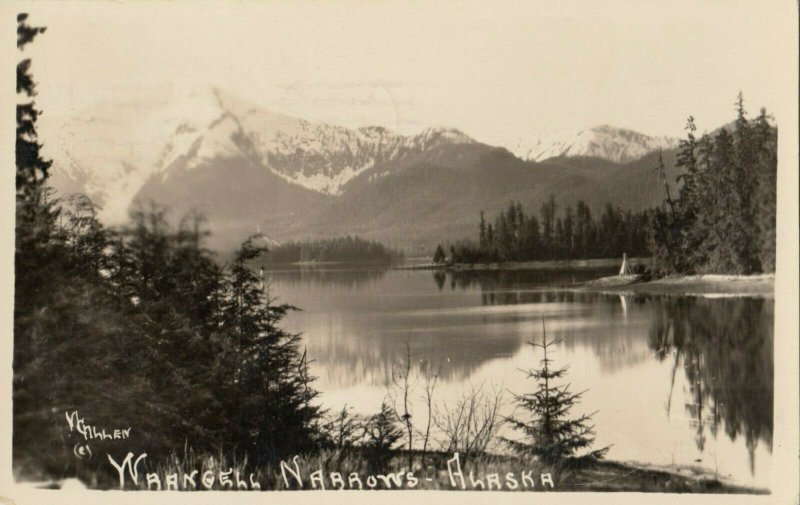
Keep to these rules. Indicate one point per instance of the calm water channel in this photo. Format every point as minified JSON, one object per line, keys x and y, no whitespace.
{"x":682,"y":380}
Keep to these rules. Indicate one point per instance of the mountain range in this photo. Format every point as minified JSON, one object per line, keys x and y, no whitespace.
{"x":250,"y":169}
{"x":605,"y":141}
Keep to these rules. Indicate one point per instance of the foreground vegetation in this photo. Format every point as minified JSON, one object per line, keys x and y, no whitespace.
{"x":141,"y":326}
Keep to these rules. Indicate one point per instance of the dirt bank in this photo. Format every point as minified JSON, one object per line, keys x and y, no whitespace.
{"x":687,"y":285}
{"x":625,"y":476}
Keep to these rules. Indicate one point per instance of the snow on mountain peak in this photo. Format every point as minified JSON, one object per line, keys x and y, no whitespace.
{"x":605,"y":141}
{"x":441,"y":134}
{"x":110,"y":151}
{"x":112,"y":147}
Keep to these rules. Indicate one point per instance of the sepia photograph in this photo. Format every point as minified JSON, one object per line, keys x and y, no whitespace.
{"x":523,"y":246}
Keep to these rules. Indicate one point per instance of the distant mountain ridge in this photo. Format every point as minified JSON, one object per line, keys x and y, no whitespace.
{"x":248,"y":168}
{"x":619,"y":145}
{"x":210,"y":124}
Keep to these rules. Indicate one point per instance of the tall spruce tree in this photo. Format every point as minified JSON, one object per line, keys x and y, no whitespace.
{"x":269,"y":392}
{"x":35,"y":217}
{"x":722,"y":220}
{"x":765,"y":198}
{"x":548,"y":216}
{"x":482,"y":242}
{"x":549,"y":433}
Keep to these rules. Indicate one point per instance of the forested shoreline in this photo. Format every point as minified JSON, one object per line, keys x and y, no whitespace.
{"x":721,"y":220}
{"x":519,"y":236}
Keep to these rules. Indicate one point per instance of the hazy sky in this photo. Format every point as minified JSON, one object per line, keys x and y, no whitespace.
{"x":498,"y":71}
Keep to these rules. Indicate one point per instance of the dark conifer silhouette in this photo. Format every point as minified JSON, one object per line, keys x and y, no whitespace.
{"x":549,"y":433}
{"x":439,"y":256}
{"x":517,"y":236}
{"x":723,"y":217}
{"x":382,"y":431}
{"x":141,"y":326}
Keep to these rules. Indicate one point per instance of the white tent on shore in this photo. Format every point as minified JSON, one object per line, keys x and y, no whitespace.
{"x":625,"y":269}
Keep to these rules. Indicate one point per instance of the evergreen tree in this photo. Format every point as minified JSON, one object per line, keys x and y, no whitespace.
{"x":454,"y":256}
{"x":557,"y":247}
{"x":568,"y":240}
{"x":723,"y":218}
{"x":382,"y":432}
{"x":35,"y":216}
{"x":584,"y":236}
{"x":548,"y":215}
{"x":746,"y":184}
{"x":723,"y":229}
{"x":513,"y":228}
{"x":269,"y":389}
{"x":482,"y":233}
{"x":765,"y":197}
{"x":531,"y":242}
{"x":503,"y":237}
{"x":32,"y":169}
{"x":688,"y":243}
{"x":550,"y":434}
{"x":439,"y":256}
{"x":521,"y":218}
{"x":37,"y":265}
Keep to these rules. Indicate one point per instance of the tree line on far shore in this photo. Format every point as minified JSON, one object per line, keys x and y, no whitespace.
{"x":721,"y":219}
{"x":348,"y":249}
{"x":572,"y":234}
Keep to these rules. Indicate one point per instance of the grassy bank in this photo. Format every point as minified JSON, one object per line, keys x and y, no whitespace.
{"x":355,"y":470}
{"x":687,"y":285}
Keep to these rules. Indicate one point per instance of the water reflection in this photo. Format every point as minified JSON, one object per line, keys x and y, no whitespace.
{"x":319,"y":276}
{"x":725,"y":348}
{"x":675,"y":379}
{"x":511,"y":280}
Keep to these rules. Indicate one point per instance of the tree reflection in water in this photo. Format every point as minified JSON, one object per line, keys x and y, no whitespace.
{"x":355,"y":324}
{"x":343,"y":276}
{"x":725,"y":347}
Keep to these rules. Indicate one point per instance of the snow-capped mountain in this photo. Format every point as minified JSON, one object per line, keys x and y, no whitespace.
{"x":248,"y":168}
{"x":111,"y":151}
{"x":608,"y":142}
